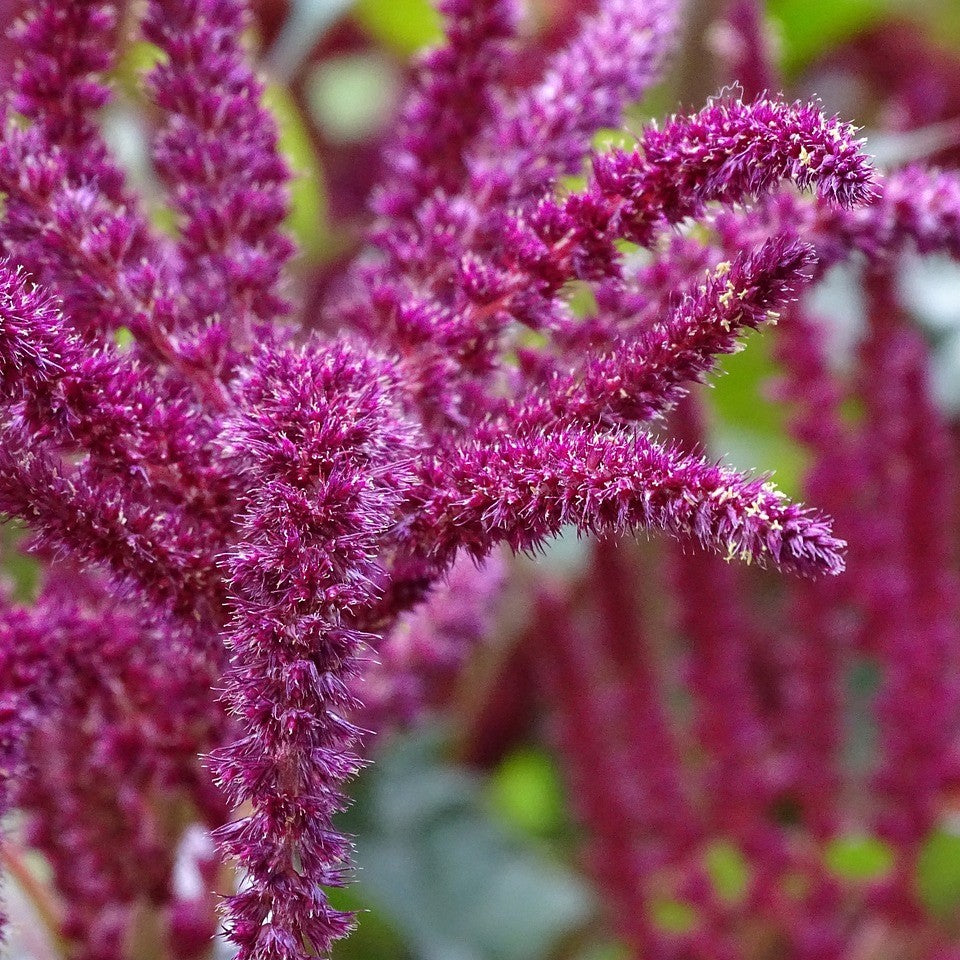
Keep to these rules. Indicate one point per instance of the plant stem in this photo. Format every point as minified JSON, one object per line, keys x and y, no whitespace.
{"x":48,"y":911}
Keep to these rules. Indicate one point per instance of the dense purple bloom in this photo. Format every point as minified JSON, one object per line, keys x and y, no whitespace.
{"x":525,"y":488}
{"x":728,"y":152}
{"x":617,"y":55}
{"x":511,"y":266}
{"x":217,"y":153}
{"x":458,"y":93}
{"x":62,"y":83}
{"x":257,"y":510}
{"x":86,"y":692}
{"x":636,"y":379}
{"x":99,"y":401}
{"x":322,"y":437}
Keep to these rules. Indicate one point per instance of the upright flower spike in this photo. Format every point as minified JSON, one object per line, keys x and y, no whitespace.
{"x":322,"y":441}
{"x":426,"y":204}
{"x":217,"y":153}
{"x":815,"y":650}
{"x":914,"y":473}
{"x":94,"y":253}
{"x":717,"y":628}
{"x":587,"y":727}
{"x":617,"y":55}
{"x":644,"y":830}
{"x":456,"y":94}
{"x":69,"y":214}
{"x":66,"y":50}
{"x":628,"y":664}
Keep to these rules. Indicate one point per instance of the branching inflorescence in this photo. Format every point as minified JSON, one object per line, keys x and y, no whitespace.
{"x":262,"y":509}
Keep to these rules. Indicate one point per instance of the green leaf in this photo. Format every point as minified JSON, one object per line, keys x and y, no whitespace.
{"x":374,"y":935}
{"x":137,"y":59}
{"x":308,"y":207}
{"x":938,"y":873}
{"x":610,"y":139}
{"x":604,"y":951}
{"x":351,"y":97}
{"x":859,"y":857}
{"x":749,"y":429}
{"x":22,"y":570}
{"x":582,"y":298}
{"x":729,"y":871}
{"x":809,"y":29}
{"x":451,"y":880}
{"x":738,"y":385}
{"x":525,"y":791}
{"x":673,"y":916}
{"x":404,"y":25}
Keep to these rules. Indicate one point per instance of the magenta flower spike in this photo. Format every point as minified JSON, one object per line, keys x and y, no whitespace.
{"x":522,"y":489}
{"x":217,"y":153}
{"x":323,"y":439}
{"x":728,"y":153}
{"x":618,"y":53}
{"x":458,"y":92}
{"x":61,"y":84}
{"x":637,"y":379}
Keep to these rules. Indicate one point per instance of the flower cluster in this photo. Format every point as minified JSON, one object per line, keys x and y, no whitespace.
{"x":255,"y":522}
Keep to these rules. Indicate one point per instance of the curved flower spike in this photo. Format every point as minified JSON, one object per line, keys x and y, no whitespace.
{"x":639,"y":378}
{"x":617,"y":55}
{"x":523,"y":489}
{"x":728,"y":153}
